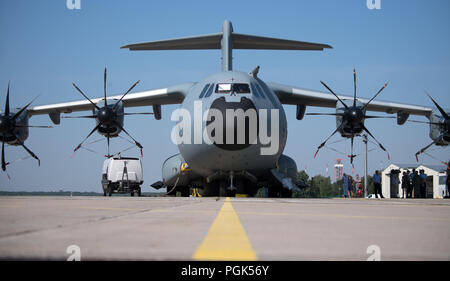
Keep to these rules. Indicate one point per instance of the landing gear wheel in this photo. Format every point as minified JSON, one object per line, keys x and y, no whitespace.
{"x":171,"y":191}
{"x":132,"y":194}
{"x":223,"y":189}
{"x":231,"y":193}
{"x":240,"y":188}
{"x":184,"y":190}
{"x":286,"y":193}
{"x":109,"y":191}
{"x":251,"y":189}
{"x":209,"y":189}
{"x":139,"y":192}
{"x":273,"y":192}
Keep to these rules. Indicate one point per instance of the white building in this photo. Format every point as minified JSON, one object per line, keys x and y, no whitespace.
{"x":391,"y":179}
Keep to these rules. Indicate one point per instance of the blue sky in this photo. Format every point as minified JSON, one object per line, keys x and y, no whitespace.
{"x":45,"y":47}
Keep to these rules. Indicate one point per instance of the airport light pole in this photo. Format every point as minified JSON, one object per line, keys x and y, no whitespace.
{"x":365,"y":164}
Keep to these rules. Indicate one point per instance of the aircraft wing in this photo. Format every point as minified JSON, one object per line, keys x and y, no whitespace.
{"x":304,"y":97}
{"x":170,"y":95}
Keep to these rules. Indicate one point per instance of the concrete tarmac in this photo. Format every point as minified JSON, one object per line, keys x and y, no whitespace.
{"x":165,"y":228}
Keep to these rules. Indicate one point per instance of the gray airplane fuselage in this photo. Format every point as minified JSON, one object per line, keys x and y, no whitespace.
{"x":205,"y":159}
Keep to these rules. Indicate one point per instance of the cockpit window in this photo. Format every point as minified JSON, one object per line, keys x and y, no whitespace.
{"x":204,"y":90}
{"x":210,"y":90}
{"x":269,"y":94}
{"x":260,"y":91}
{"x":236,"y":88}
{"x":254,"y":90}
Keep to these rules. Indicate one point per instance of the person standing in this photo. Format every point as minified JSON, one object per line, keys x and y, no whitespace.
{"x":408,"y":185}
{"x":405,"y":185}
{"x":423,"y":184}
{"x":448,"y":179}
{"x":345,"y":185}
{"x":416,"y":184}
{"x":358,"y":186}
{"x":350,"y":186}
{"x":377,"y":184}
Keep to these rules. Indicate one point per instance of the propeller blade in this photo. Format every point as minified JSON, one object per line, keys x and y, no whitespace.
{"x":81,"y":92}
{"x":23,"y":109}
{"x":7,"y":102}
{"x":94,"y":141}
{"x":126,"y":149}
{"x":373,"y":117}
{"x":441,"y":110}
{"x":129,"y":90}
{"x":346,"y":107}
{"x":104,"y":86}
{"x":85,"y":116}
{"x":381,"y":146}
{"x":138,"y":113}
{"x":44,"y":127}
{"x":422,"y":151}
{"x":323,"y":144}
{"x":28,"y":150}
{"x":427,"y":122}
{"x":329,"y":114}
{"x":135,"y":141}
{"x":93,"y":130}
{"x":3,"y":157}
{"x":354,"y":84}
{"x":351,"y":151}
{"x":107,"y":140}
{"x":85,"y":147}
{"x":90,"y":150}
{"x":382,"y":88}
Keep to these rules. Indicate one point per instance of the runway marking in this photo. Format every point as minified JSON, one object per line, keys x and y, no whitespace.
{"x":316,"y":215}
{"x":111,"y":209}
{"x":226,"y":238}
{"x":343,"y":216}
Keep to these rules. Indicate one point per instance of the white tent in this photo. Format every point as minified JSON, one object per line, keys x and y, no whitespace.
{"x":391,"y":183}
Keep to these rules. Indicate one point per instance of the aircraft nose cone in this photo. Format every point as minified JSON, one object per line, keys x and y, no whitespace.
{"x":246,"y":107}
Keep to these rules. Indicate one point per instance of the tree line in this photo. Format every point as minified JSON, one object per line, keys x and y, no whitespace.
{"x":321,"y":187}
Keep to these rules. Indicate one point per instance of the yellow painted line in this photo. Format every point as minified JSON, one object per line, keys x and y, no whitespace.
{"x":226,"y":238}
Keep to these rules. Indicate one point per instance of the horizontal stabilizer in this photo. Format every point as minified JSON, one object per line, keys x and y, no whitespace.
{"x":202,"y":42}
{"x":213,"y":41}
{"x":244,"y":41}
{"x":227,"y":40}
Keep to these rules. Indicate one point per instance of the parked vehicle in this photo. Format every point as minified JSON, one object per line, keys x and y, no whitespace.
{"x":122,"y":175}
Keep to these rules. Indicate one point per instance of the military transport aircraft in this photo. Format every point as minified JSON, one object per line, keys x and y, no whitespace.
{"x":230,"y":163}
